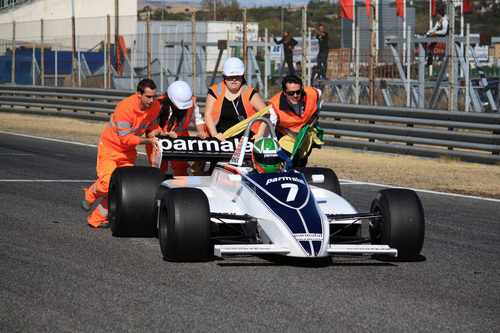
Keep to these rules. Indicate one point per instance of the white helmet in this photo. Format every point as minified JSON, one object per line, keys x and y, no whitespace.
{"x":180,"y":94}
{"x":233,"y":67}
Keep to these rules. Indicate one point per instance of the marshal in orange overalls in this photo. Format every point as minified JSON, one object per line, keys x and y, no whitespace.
{"x":117,"y":148}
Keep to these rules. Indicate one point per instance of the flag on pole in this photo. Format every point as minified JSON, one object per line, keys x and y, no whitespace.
{"x":433,"y":7}
{"x":367,"y":3}
{"x":346,"y":9}
{"x":400,"y":8}
{"x":467,"y":5}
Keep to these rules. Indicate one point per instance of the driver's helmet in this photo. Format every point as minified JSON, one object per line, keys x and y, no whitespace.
{"x":265,"y":155}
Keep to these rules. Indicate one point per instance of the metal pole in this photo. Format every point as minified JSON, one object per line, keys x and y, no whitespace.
{"x":408,"y":67}
{"x":404,"y":28}
{"x":304,"y":52}
{"x":132,"y":56}
{"x":42,"y":60}
{"x":193,"y":50}
{"x":33,"y":60}
{"x":117,"y":32}
{"x":148,"y":47}
{"x":79,"y":65}
{"x":108,"y":47}
{"x":372,"y":55}
{"x":266,"y":66}
{"x":467,"y":64}
{"x":308,"y":68}
{"x":357,"y":64}
{"x":55,"y":63}
{"x":215,"y":10}
{"x":451,"y":52}
{"x":74,"y":49}
{"x":354,"y":24}
{"x":282,"y":8}
{"x":245,"y":42}
{"x":13,"y":74}
{"x":161,"y":59}
{"x":105,"y":66}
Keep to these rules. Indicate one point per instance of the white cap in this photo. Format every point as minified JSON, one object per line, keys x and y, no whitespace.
{"x":233,"y":67}
{"x":180,"y":94}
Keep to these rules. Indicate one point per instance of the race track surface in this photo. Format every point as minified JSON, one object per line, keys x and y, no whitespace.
{"x":58,"y":274}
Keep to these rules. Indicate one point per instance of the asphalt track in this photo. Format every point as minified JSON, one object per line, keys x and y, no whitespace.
{"x":57,"y":274}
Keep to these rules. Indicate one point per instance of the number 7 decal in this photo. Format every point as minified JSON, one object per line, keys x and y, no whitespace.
{"x":293,"y":191}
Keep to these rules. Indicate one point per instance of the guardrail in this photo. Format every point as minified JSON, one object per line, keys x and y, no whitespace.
{"x":473,"y":137}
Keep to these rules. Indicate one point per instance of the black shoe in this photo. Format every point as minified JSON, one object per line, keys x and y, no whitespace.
{"x":86,"y":205}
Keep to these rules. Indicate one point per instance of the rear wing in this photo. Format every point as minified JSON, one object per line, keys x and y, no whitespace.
{"x":192,"y":148}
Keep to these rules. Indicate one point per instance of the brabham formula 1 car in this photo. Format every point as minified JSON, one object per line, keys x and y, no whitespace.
{"x":236,"y":210}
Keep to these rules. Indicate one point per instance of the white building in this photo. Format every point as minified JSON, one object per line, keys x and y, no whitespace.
{"x":90,"y":18}
{"x":177,"y":31}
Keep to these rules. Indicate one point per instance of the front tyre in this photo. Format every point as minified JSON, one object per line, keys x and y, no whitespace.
{"x":184,"y":225}
{"x":401,"y":225}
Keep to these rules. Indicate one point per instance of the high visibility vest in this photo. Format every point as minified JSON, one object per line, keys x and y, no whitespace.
{"x":288,"y":122}
{"x":182,"y":127}
{"x":128,"y":123}
{"x":219,"y":91}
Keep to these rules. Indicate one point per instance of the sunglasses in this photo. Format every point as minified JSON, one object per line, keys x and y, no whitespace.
{"x":234,"y":78}
{"x":296,"y":92}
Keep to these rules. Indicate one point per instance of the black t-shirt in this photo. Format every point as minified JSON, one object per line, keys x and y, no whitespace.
{"x":228,"y":115}
{"x":323,"y":42}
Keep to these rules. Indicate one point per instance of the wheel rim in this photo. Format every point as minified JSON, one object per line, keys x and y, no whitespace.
{"x":375,"y":226}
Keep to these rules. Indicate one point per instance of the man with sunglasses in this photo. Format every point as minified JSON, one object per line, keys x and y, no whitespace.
{"x":296,"y":106}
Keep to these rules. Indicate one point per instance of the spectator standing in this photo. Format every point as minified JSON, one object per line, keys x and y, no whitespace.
{"x":322,"y":36}
{"x":288,"y":44}
{"x":298,"y":71}
{"x":440,"y":29}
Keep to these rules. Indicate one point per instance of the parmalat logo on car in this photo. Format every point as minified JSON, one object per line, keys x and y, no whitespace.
{"x":285,"y":178}
{"x":189,"y":144}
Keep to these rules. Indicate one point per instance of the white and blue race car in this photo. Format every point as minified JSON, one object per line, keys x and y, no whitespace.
{"x":236,"y":210}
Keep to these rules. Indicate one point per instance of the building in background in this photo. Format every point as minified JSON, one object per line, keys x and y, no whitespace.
{"x":90,"y":17}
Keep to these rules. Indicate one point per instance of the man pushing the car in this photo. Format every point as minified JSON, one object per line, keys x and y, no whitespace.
{"x":134,"y":116}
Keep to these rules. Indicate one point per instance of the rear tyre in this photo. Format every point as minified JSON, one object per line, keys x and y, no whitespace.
{"x":131,"y":201}
{"x":401,"y":225}
{"x":331,"y":182}
{"x":184,"y":225}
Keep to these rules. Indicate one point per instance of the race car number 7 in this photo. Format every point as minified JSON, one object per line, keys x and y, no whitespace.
{"x":293,"y":191}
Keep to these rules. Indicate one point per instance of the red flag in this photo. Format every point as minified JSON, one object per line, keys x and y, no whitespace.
{"x":433,"y":7}
{"x":467,"y":6}
{"x":346,"y":9}
{"x":367,"y":4}
{"x":400,"y":8}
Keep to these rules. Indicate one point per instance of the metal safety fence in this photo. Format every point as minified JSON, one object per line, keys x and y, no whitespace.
{"x":473,"y":137}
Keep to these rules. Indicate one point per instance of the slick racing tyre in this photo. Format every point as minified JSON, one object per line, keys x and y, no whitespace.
{"x":184,"y":225}
{"x":331,"y":182}
{"x":131,"y":201}
{"x":401,"y":225}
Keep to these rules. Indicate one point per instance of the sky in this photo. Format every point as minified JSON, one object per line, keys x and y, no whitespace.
{"x":252,"y":3}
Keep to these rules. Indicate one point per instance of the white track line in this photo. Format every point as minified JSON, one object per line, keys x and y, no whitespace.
{"x":344,"y":181}
{"x":353,"y":182}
